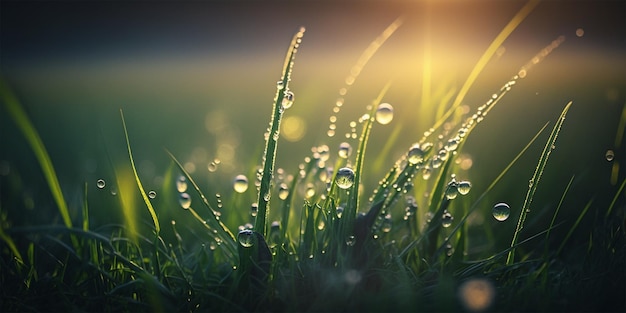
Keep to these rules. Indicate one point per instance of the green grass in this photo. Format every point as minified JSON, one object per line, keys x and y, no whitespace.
{"x":340,"y":248}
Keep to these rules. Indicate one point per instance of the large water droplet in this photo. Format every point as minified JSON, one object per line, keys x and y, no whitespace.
{"x":254,"y":209}
{"x":446,"y":219}
{"x":452,"y":190}
{"x":501,"y":211}
{"x":283,"y":191}
{"x":310,"y":191}
{"x":274,"y":237}
{"x":152,"y":194}
{"x":185,"y":200}
{"x":181,"y":184}
{"x":464,"y":187}
{"x":339,"y":211}
{"x":345,"y":178}
{"x":385,"y":227}
{"x":246,"y":238}
{"x":345,"y":150}
{"x":384,"y":113}
{"x":351,"y":240}
{"x":287,"y":101}
{"x":240,"y":184}
{"x":415,"y":154}
{"x":610,"y":155}
{"x":100,"y":183}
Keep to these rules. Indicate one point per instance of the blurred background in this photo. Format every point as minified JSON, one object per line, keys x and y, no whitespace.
{"x":198,"y":78}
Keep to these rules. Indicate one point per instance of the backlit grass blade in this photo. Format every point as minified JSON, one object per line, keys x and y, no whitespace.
{"x":534,"y":181}
{"x":484,"y":59}
{"x":353,"y":201}
{"x":476,"y":203}
{"x":272,"y":138}
{"x":19,"y":116}
{"x":619,"y":191}
{"x":146,"y":200}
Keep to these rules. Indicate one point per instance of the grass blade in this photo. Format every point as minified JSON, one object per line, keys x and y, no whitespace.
{"x":272,"y":140}
{"x":24,"y":124}
{"x":534,"y":181}
{"x":146,"y":200}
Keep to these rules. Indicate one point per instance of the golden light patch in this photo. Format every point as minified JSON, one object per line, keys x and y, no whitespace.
{"x":293,"y":128}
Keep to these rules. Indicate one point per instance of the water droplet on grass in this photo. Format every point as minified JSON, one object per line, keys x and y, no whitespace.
{"x":181,"y":184}
{"x":254,"y":209}
{"x":501,"y":211}
{"x":610,"y":155}
{"x":464,"y":187}
{"x":240,"y":183}
{"x":446,"y":219}
{"x":152,"y":194}
{"x":280,"y":85}
{"x":246,"y":238}
{"x":100,"y":183}
{"x":351,"y":240}
{"x":345,"y":178}
{"x":287,"y":100}
{"x":415,"y":154}
{"x":345,"y":150}
{"x":452,"y":190}
{"x":283,"y":191}
{"x":384,"y":113}
{"x":185,"y":200}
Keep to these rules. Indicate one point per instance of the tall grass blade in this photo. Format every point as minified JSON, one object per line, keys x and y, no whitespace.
{"x":353,"y":200}
{"x":272,"y":138}
{"x":144,"y":196}
{"x":19,"y":116}
{"x":484,"y":59}
{"x":364,"y":58}
{"x":228,"y":236}
{"x":534,"y":181}
{"x":476,"y":203}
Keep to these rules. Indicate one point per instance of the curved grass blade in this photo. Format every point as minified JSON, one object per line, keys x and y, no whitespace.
{"x":532,"y":185}
{"x":272,"y":140}
{"x":353,"y":201}
{"x":356,"y":69}
{"x":24,"y":124}
{"x":146,"y":200}
{"x":491,"y":186}
{"x":484,"y":59}
{"x":229,"y":238}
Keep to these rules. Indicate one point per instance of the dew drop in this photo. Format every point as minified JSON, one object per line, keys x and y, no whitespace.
{"x":339,"y":211}
{"x":501,"y":211}
{"x":240,"y":184}
{"x":181,"y":184}
{"x":345,"y":150}
{"x":310,"y":190}
{"x":351,"y":240}
{"x":185,"y":200}
{"x":287,"y":100}
{"x":280,"y":85}
{"x":254,"y":209}
{"x":345,"y":178}
{"x":387,"y":223}
{"x":100,"y":183}
{"x":246,"y":238}
{"x":452,"y":191}
{"x":384,"y":113}
{"x":152,"y":194}
{"x":464,"y":187}
{"x":283,"y":191}
{"x":610,"y":155}
{"x":446,"y":219}
{"x":415,"y":154}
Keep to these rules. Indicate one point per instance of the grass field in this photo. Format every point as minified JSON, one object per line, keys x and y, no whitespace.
{"x":404,"y":157}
